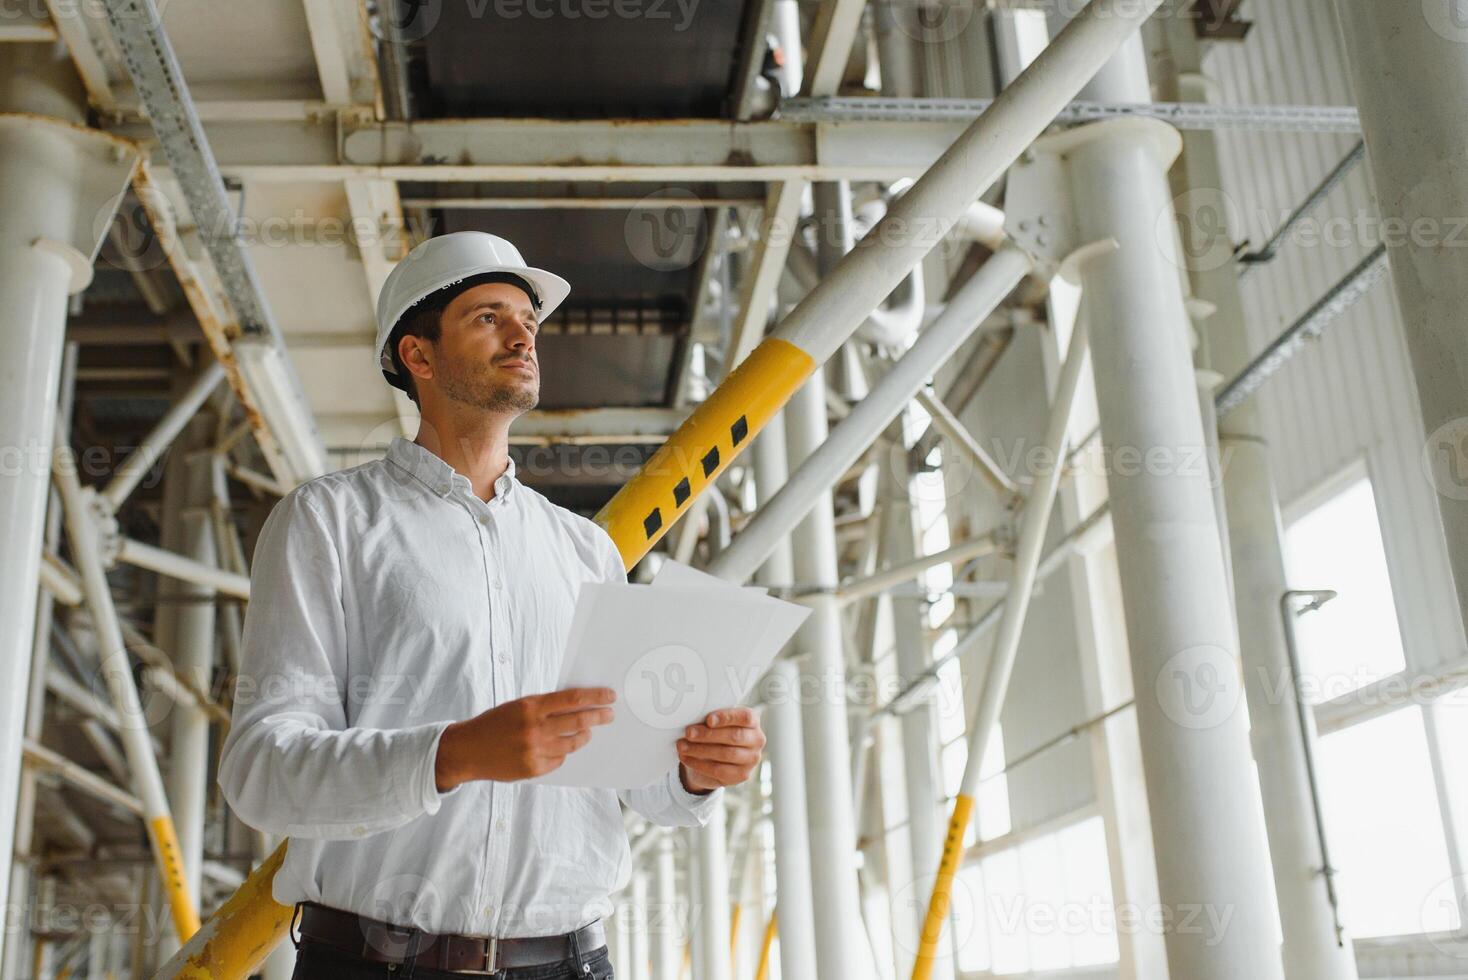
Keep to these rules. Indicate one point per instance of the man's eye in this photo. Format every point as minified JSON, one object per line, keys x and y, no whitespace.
{"x":487,"y":317}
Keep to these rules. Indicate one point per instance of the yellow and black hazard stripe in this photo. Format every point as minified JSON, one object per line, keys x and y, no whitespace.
{"x":704,"y":445}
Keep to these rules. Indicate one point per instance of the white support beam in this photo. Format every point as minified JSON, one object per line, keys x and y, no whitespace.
{"x":344,"y":56}
{"x":271,"y":149}
{"x":829,"y":48}
{"x":376,"y":207}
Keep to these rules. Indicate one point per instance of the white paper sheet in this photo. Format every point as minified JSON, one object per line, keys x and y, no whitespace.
{"x":673,"y":653}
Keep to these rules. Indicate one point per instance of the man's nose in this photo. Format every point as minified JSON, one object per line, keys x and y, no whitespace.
{"x":521,"y":337}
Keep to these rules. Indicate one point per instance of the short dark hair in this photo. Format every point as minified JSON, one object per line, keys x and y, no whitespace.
{"x":424,"y":319}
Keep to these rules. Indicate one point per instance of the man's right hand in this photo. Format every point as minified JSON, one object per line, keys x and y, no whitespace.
{"x":522,"y":738}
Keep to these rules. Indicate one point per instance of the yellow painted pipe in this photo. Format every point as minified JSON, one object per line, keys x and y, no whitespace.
{"x":763,"y":972}
{"x":922,"y":968}
{"x":171,"y":867}
{"x":237,"y":938}
{"x":717,"y":431}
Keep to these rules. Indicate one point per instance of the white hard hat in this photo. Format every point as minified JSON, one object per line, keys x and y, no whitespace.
{"x":448,"y":259}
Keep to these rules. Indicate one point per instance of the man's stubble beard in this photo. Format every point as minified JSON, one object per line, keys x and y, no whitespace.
{"x":476,"y":385}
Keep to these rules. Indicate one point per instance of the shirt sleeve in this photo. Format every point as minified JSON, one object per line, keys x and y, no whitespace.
{"x":668,"y":804}
{"x":291,"y":764}
{"x":664,"y":802}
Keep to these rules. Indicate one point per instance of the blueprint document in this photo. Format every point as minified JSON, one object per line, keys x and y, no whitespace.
{"x":673,"y":651}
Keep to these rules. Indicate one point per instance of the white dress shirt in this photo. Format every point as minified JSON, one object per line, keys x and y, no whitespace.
{"x":387,"y":601}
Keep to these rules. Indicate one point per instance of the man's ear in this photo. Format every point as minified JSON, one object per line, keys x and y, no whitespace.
{"x":414,"y":353}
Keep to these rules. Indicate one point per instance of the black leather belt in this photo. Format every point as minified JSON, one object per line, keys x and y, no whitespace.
{"x":383,"y":942}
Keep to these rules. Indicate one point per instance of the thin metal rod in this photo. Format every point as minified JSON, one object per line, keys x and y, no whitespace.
{"x":954,"y":431}
{"x":1288,"y":612}
{"x":888,"y":578}
{"x":39,"y":757}
{"x":1033,"y":525}
{"x":184,"y":569}
{"x":1266,"y":254}
{"x":1344,"y":295}
{"x":137,"y":464}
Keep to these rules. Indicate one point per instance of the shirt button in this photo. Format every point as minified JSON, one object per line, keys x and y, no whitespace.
{"x":502,"y":825}
{"x":496,"y":584}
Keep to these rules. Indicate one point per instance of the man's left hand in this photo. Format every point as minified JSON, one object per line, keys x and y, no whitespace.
{"x":722,"y":751}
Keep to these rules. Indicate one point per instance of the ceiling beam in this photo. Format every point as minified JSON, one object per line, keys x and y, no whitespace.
{"x":460,"y":150}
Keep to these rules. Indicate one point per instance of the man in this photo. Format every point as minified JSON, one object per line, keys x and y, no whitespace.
{"x":405,"y":617}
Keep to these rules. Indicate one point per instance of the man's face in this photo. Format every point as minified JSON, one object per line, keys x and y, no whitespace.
{"x":485,"y":355}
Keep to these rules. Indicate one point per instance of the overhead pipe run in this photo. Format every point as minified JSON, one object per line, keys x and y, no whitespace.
{"x":251,"y":923}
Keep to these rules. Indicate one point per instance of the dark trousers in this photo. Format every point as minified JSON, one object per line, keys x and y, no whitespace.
{"x":318,"y":961}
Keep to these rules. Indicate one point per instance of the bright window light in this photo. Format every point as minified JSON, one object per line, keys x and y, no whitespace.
{"x":1385,"y":827}
{"x":1042,"y":906}
{"x":950,"y":702}
{"x":1354,"y":639}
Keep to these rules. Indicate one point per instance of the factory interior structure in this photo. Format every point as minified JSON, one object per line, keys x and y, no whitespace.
{"x":1096,"y":373}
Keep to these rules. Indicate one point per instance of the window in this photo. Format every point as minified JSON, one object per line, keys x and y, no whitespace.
{"x":1354,"y":639}
{"x":1039,"y":906}
{"x":1385,"y":827}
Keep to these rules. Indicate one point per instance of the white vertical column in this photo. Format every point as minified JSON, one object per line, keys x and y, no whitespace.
{"x":837,"y":914}
{"x":44,"y":182}
{"x":712,"y":939}
{"x":1201,"y":789}
{"x":918,"y":724}
{"x":638,"y":947}
{"x":193,"y":647}
{"x":667,"y":952}
{"x":1409,"y":68}
{"x":1312,"y":949}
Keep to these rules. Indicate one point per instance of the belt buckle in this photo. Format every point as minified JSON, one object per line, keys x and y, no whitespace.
{"x":490,"y":956}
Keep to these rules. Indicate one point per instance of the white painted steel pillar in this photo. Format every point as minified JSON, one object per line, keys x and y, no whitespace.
{"x":193,"y":648}
{"x":667,"y":953}
{"x":638,"y":949}
{"x":784,"y":745}
{"x":712,"y":942}
{"x":25,"y":812}
{"x":918,"y":724}
{"x":57,"y":181}
{"x":1201,"y":789}
{"x":1409,"y":67}
{"x":832,"y":817}
{"x":1313,"y":948}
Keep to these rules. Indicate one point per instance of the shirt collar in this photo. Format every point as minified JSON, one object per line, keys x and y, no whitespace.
{"x":431,"y":470}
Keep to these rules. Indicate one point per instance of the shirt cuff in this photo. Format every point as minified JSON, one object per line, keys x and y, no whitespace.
{"x":699,"y":806}
{"x":422,"y":789}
